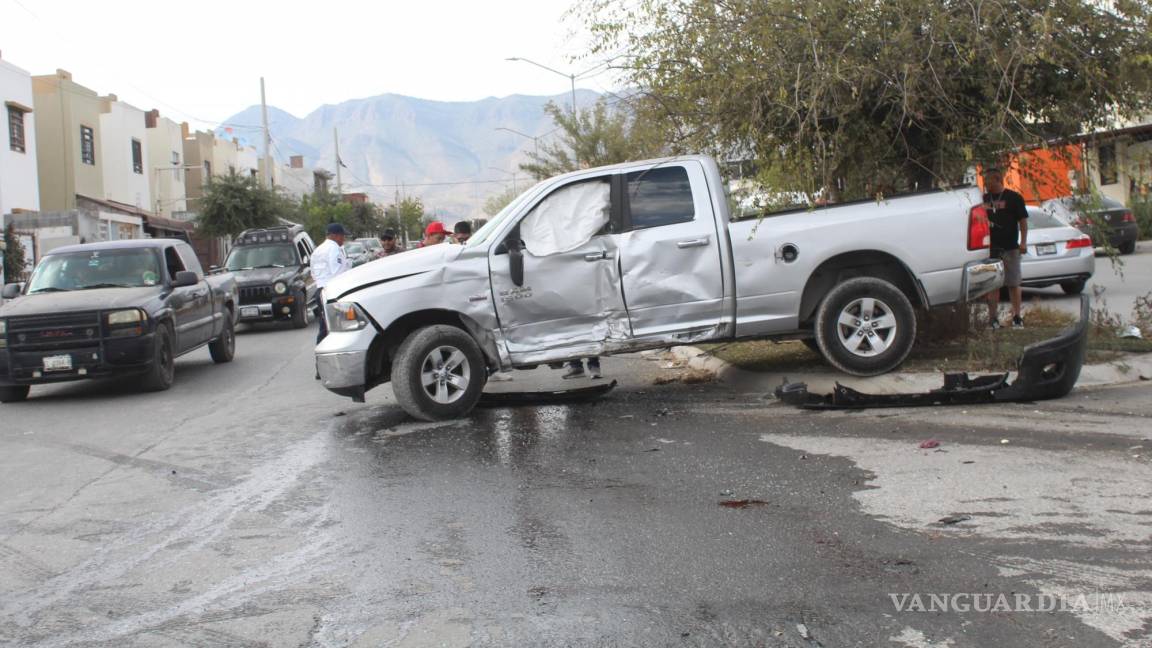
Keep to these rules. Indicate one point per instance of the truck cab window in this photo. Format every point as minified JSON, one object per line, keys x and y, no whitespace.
{"x":173,"y":262}
{"x":568,"y":217}
{"x":660,"y":196}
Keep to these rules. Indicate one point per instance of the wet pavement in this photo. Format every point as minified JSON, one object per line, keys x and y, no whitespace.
{"x":249,"y":507}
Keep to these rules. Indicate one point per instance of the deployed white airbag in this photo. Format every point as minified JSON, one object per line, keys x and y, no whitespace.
{"x":566,"y":219}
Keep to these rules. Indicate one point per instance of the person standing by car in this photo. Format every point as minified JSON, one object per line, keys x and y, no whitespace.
{"x":1008,"y":216}
{"x":434,"y":234}
{"x":328,"y":261}
{"x":388,"y":240}
{"x":461,"y":232}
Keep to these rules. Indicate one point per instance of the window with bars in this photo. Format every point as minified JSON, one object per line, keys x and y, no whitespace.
{"x":87,"y":145}
{"x":16,"y":129}
{"x":137,"y":157}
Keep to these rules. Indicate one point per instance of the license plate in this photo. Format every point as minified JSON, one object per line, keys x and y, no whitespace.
{"x":249,"y":311}
{"x":58,"y":363}
{"x":1045,"y":248}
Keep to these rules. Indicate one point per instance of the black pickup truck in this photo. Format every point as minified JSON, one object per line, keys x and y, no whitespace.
{"x":115,"y":309}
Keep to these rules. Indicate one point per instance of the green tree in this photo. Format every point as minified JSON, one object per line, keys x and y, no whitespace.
{"x":855,"y":97}
{"x":494,"y":204}
{"x":595,"y":136}
{"x":14,"y":262}
{"x":406,"y":218}
{"x":233,"y":203}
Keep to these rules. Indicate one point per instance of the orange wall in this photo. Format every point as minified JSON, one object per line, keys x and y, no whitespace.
{"x":1042,"y":174}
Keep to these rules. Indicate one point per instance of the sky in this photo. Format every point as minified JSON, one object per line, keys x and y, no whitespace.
{"x":202,"y":61}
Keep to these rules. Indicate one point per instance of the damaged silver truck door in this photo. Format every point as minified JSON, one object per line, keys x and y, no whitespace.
{"x":556,"y":278}
{"x":670,"y":252}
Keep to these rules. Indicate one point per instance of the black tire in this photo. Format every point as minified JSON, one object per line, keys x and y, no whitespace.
{"x":887,"y":346}
{"x":162,"y":373}
{"x":223,"y":348}
{"x":1074,"y":287}
{"x":813,"y":345}
{"x":14,"y":394}
{"x":299,"y":312}
{"x":424,"y":346}
{"x":1127,"y":247}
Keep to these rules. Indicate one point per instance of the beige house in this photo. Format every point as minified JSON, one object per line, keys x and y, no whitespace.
{"x":164,"y":141}
{"x":67,"y":137}
{"x":1119,"y":161}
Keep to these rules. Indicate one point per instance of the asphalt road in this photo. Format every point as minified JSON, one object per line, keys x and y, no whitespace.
{"x":1118,"y":284}
{"x":249,"y":507}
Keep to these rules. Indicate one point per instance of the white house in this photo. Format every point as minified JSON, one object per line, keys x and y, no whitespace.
{"x":123,"y":154}
{"x":165,"y":150}
{"x":19,"y":189}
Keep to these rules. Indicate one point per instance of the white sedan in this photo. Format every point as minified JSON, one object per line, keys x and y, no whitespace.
{"x":1057,"y":254}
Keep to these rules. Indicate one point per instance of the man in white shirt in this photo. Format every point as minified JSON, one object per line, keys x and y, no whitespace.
{"x":328,"y":261}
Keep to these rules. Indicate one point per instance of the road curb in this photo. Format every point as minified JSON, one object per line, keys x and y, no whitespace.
{"x":1133,"y":368}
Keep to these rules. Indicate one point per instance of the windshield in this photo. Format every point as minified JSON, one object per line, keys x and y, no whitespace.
{"x":131,"y":268}
{"x":354,"y":248}
{"x":491,"y":226}
{"x":248,"y":257}
{"x":370,"y":243}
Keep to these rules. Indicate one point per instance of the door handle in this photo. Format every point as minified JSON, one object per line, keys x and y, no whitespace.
{"x":700,"y":242}
{"x":596,"y":256}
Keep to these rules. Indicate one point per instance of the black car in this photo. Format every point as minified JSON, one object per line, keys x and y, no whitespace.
{"x":115,"y":309}
{"x":1104,"y":219}
{"x":272,"y":272}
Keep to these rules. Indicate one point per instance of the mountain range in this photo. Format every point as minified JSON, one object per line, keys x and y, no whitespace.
{"x":450,"y":154}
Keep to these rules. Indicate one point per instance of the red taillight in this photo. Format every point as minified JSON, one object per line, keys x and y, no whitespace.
{"x":1079,"y":243}
{"x":1128,"y":217}
{"x":979,"y":234}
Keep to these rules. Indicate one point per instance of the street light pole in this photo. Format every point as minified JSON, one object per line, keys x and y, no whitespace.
{"x":535,"y":138}
{"x":572,"y":79}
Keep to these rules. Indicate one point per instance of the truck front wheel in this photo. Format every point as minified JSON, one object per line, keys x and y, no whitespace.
{"x":162,"y":373}
{"x":865,"y":326}
{"x":438,"y":373}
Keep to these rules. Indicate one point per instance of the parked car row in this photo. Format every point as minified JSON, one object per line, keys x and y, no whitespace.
{"x":1106,"y":220}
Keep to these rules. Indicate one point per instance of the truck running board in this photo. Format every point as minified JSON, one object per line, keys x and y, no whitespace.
{"x":1045,"y":370}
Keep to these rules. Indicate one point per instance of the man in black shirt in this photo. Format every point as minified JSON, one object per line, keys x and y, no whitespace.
{"x":1008,"y":217}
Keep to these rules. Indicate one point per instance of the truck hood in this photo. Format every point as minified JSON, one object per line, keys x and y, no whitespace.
{"x":409,"y":263}
{"x":262,"y":276}
{"x":78,"y":300}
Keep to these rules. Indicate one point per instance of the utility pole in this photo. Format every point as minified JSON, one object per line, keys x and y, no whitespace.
{"x":336,"y":147}
{"x":267,"y":138}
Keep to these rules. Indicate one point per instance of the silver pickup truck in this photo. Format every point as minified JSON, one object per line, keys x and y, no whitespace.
{"x":648,"y":255}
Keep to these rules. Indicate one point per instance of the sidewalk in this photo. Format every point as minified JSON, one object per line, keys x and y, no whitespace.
{"x":1132,"y":368}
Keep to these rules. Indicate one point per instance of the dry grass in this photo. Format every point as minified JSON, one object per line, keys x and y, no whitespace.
{"x":945,"y":345}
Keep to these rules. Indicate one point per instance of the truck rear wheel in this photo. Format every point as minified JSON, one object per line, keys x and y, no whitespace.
{"x":14,"y":394}
{"x":865,"y":326}
{"x":223,"y":348}
{"x":162,"y":373}
{"x":438,"y":373}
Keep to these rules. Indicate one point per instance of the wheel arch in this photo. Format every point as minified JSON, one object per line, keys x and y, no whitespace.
{"x":384,"y":347}
{"x":858,"y":263}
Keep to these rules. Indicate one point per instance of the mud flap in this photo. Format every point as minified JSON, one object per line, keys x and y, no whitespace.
{"x":558,"y":397}
{"x":1045,"y":370}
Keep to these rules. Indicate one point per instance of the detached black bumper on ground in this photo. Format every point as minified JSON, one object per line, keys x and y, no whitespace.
{"x":1045,"y":370}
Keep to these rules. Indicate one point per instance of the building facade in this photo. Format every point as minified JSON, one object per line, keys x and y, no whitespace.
{"x":123,"y":155}
{"x":164,"y":141}
{"x":18,"y":173}
{"x":67,"y":140}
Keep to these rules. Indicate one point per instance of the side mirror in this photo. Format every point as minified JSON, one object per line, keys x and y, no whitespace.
{"x":12,"y":290}
{"x":185,"y":278}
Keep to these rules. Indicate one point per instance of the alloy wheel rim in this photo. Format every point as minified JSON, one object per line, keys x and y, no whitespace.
{"x":867,"y":327}
{"x":444,"y":374}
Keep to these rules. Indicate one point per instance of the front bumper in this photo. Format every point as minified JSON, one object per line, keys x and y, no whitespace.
{"x":108,"y":358}
{"x":982,"y":277}
{"x":342,"y":361}
{"x":278,"y":309}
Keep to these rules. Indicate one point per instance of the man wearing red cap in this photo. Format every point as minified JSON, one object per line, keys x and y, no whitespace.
{"x":434,"y":234}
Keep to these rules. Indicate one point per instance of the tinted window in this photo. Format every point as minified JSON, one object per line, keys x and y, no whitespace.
{"x":275,"y":255}
{"x":188,"y":256}
{"x":1041,"y":219}
{"x":660,"y":196}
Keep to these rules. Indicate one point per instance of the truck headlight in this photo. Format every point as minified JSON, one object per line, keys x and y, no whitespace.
{"x":280,"y":287}
{"x":346,"y":316}
{"x":127,"y":322}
